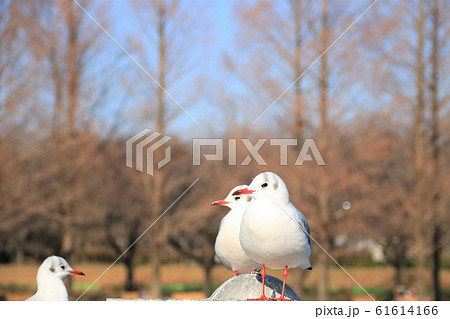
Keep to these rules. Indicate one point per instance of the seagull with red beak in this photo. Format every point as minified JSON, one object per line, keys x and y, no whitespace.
{"x":228,"y":248}
{"x":49,"y":280}
{"x":273,"y":232}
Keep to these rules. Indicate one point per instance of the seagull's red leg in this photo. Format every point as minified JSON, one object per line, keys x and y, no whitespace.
{"x":234,"y":273}
{"x":263,"y":275}
{"x":284,"y":285}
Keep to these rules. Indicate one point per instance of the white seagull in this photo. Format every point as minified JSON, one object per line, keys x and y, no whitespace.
{"x":274,"y":232}
{"x":228,"y":248}
{"x":49,"y":280}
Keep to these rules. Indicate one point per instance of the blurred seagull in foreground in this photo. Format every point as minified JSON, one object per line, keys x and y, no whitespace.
{"x":49,"y":280}
{"x":273,"y":232}
{"x":228,"y":248}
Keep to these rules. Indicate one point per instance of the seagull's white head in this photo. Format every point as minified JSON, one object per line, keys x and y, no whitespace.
{"x":235,"y":201}
{"x":266,"y":184}
{"x":56,"y":267}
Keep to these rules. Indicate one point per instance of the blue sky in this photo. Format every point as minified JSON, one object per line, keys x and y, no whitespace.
{"x":218,"y":33}
{"x":221,"y":31}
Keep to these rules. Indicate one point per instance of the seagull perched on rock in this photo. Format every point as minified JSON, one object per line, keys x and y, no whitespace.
{"x":228,"y":248}
{"x":274,"y":232}
{"x":49,"y":280}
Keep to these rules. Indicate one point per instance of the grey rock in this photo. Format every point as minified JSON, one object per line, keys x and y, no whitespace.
{"x":249,"y":286}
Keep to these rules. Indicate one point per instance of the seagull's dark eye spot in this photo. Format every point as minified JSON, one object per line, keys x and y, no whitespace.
{"x":63,"y":267}
{"x":237,"y":198}
{"x":264,"y":185}
{"x":52,"y":269}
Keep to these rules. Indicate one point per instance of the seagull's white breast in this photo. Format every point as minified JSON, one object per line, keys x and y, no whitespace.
{"x":228,"y":247}
{"x":271,"y":235}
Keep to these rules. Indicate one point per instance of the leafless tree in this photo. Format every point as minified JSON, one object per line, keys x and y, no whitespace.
{"x":169,"y":31}
{"x":413,"y":52}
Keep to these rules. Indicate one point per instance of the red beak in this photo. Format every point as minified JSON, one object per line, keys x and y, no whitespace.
{"x":220,"y":202}
{"x":243,"y":191}
{"x":76,"y":272}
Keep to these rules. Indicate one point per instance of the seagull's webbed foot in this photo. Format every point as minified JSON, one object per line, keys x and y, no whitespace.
{"x":263,"y":276}
{"x":263,"y":297}
{"x":281,"y":299}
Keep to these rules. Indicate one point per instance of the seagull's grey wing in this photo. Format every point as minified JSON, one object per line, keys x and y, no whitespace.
{"x":307,"y":230}
{"x":301,"y":219}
